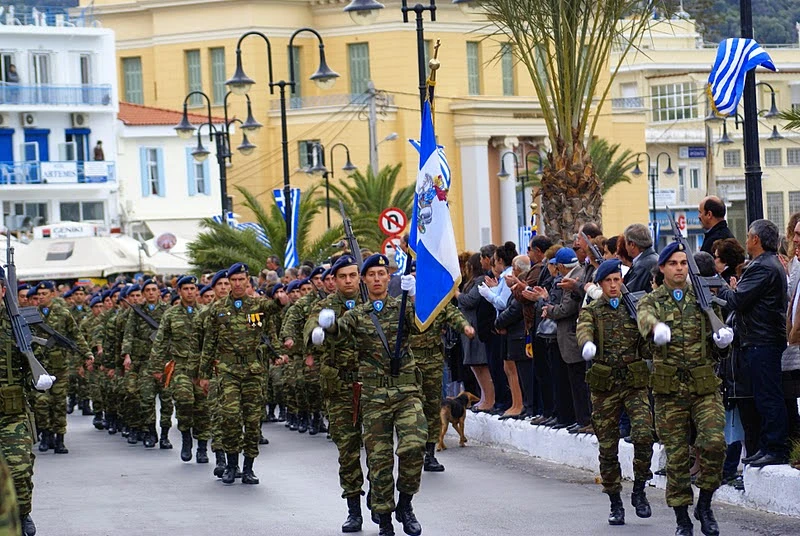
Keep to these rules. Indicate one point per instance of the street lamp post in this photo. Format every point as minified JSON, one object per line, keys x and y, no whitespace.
{"x":240,"y":84}
{"x":653,"y":178}
{"x":752,"y":159}
{"x":504,"y":174}
{"x":327,"y":174}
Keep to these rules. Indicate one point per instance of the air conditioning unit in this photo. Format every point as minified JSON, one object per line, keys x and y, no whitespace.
{"x":80,"y":120}
{"x":28,"y":119}
{"x":3,"y":120}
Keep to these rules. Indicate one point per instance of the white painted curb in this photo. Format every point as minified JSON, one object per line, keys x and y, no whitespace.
{"x":773,"y":489}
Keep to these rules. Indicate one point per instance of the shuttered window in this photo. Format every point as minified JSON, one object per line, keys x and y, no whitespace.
{"x":194,"y":79}
{"x":473,"y":69}
{"x":359,"y":67}
{"x":132,"y":79}
{"x":218,"y":77}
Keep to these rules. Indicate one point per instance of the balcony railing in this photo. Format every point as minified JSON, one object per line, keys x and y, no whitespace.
{"x":627,"y":103}
{"x":57,"y":13}
{"x":318,"y":101}
{"x":56,"y":95}
{"x":64,"y":172}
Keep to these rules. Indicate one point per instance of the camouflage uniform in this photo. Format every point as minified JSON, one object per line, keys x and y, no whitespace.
{"x":338,"y":362}
{"x":212,"y":398}
{"x":16,"y":430}
{"x":686,"y":391}
{"x":78,"y":386}
{"x":9,"y":511}
{"x":92,"y":328}
{"x":388,"y":405}
{"x":232,"y":337}
{"x":617,"y":381}
{"x":307,"y":391}
{"x":177,"y":340}
{"x":112,"y":358}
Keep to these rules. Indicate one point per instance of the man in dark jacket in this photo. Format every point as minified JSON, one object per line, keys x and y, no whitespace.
{"x":712,"y":218}
{"x":759,"y":301}
{"x":639,"y":244}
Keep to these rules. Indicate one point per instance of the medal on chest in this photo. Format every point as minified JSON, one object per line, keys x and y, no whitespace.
{"x":350,"y":304}
{"x":378,"y":305}
{"x":614,"y":303}
{"x":255,"y":319}
{"x":677,"y":294}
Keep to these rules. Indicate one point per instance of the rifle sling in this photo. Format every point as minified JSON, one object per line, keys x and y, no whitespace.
{"x":381,"y":334}
{"x":144,"y":316}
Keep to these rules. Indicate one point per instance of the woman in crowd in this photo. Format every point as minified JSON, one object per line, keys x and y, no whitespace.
{"x":728,"y":258}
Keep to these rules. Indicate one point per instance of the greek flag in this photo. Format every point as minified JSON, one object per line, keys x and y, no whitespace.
{"x":726,"y":81}
{"x":442,"y":161}
{"x":290,"y":258}
{"x":525,"y":235}
{"x":432,"y":240}
{"x":231,"y":220}
{"x":400,"y":259}
{"x":260,"y":234}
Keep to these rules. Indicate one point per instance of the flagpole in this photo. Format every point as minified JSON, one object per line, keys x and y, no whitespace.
{"x":752,"y":159}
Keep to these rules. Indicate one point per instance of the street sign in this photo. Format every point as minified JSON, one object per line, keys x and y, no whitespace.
{"x":392,"y":221}
{"x":665,"y":197}
{"x":390,"y":245}
{"x":692,"y":151}
{"x":680,"y":221}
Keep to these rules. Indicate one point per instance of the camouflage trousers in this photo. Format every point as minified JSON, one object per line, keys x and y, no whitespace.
{"x":289,"y":377}
{"x":239,"y":407}
{"x":432,"y":368}
{"x":301,"y":399}
{"x":674,"y":414}
{"x":191,"y":404}
{"x":213,"y":412}
{"x":129,"y":399}
{"x":275,"y":393}
{"x":97,"y":381}
{"x":110,"y":388}
{"x":606,"y":410}
{"x":9,"y":510}
{"x":50,"y":407}
{"x":16,"y":444}
{"x":386,"y":412}
{"x":149,"y":388}
{"x":78,"y":385}
{"x":313,"y":392}
{"x":347,"y":439}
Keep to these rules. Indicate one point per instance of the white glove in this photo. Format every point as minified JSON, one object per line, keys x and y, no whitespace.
{"x":589,"y":351}
{"x":326,"y":318}
{"x":318,"y":336}
{"x":661,"y":334}
{"x":408,"y":283}
{"x":484,"y":291}
{"x":44,"y":382}
{"x":723,"y":338}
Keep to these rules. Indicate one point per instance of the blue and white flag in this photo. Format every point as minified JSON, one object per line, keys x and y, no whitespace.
{"x":257,"y":229}
{"x":290,"y":258}
{"x":442,"y":161}
{"x":229,"y":218}
{"x":726,"y":81}
{"x":431,"y":238}
{"x":400,"y":259}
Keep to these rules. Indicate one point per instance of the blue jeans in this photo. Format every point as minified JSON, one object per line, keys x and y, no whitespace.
{"x":765,"y":375}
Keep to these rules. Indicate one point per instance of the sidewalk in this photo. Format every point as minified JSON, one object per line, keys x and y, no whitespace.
{"x":773,"y":489}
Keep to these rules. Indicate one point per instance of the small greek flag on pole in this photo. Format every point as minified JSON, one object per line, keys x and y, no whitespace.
{"x":726,"y":82}
{"x":290,"y":259}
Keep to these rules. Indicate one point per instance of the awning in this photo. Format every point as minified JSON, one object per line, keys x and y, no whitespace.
{"x":186,"y":229}
{"x":73,"y":258}
{"x":167,"y":262}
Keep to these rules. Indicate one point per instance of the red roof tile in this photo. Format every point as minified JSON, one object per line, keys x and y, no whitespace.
{"x":138,"y":115}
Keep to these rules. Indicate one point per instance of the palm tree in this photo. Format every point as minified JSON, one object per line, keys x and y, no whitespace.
{"x":792,"y":118}
{"x":221,"y":245}
{"x":611,"y":169}
{"x":566,"y":47}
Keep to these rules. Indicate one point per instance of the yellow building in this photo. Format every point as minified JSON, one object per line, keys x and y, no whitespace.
{"x":486,"y":103}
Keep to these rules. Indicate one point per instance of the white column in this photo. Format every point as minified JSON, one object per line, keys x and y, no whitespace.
{"x":508,"y":200}
{"x":475,"y":197}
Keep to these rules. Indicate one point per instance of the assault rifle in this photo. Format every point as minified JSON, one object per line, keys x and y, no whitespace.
{"x":34,"y":318}
{"x":23,"y":337}
{"x":144,"y":316}
{"x":702,"y":288}
{"x":630,"y":299}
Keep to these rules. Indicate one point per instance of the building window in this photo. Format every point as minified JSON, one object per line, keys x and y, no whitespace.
{"x":194,"y":77}
{"x":795,"y":90}
{"x":732,"y":158}
{"x":793,"y":156}
{"x":152,"y":171}
{"x":41,"y":68}
{"x":197,"y":175}
{"x":200,"y":178}
{"x":305,"y":149}
{"x":6,"y":61}
{"x":773,"y":157}
{"x":132,"y":80}
{"x":775,"y":208}
{"x":473,"y":68}
{"x":794,"y":202}
{"x":694,"y":178}
{"x":86,"y":69}
{"x":295,"y":100}
{"x":674,"y":102}
{"x":82,"y":211}
{"x":358,"y":54}
{"x":507,"y":61}
{"x":218,"y":78}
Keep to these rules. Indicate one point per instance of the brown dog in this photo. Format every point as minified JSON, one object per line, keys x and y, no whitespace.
{"x":454,"y":411}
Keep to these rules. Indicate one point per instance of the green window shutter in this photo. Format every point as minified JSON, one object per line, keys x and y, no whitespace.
{"x":541,"y":65}
{"x":473,"y":69}
{"x":132,"y":78}
{"x":194,"y":81}
{"x":218,"y":76}
{"x":295,"y":100}
{"x":507,"y":60}
{"x":359,"y":67}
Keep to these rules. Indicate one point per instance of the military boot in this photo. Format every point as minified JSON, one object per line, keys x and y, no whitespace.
{"x":385,"y":524}
{"x":639,"y":499}
{"x":44,"y":443}
{"x":51,"y":440}
{"x":404,"y":513}
{"x":302,"y":426}
{"x":323,"y":428}
{"x":86,"y":408}
{"x":617,"y":515}
{"x":261,"y":439}
{"x":97,"y":422}
{"x":125,"y":432}
{"x":354,"y":520}
{"x":202,"y":451}
{"x":373,"y":515}
{"x":293,"y":422}
{"x":685,"y":527}
{"x":164,"y":441}
{"x":151,"y":438}
{"x":229,"y":476}
{"x":28,"y":528}
{"x":133,"y":436}
{"x":248,"y":476}
{"x":431,"y":463}
{"x":281,"y":413}
{"x":60,"y":448}
{"x":186,"y":446}
{"x":219,"y":468}
{"x":271,"y":413}
{"x":112,"y":423}
{"x":703,"y":513}
{"x":314,"y":428}
{"x":71,"y":403}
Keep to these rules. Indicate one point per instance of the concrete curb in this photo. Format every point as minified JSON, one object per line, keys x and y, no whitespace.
{"x":772,"y":489}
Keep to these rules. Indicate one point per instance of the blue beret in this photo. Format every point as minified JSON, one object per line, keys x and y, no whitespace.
{"x":48,"y":285}
{"x":374,"y":260}
{"x":175,"y":297}
{"x":607,"y":268}
{"x":21,"y":286}
{"x":187,"y":280}
{"x":133,"y":288}
{"x":319,"y":270}
{"x":326,"y":273}
{"x":222,"y":274}
{"x":69,"y":293}
{"x":261,"y":292}
{"x":32,"y":292}
{"x":205,"y":289}
{"x":97,"y":300}
{"x":238,"y":268}
{"x":115,"y":290}
{"x":274,"y":290}
{"x":666,"y":253}
{"x":306,"y":281}
{"x":105,"y":294}
{"x":343,"y":262}
{"x":123,"y":292}
{"x":293,"y":285}
{"x":164,"y":292}
{"x":149,"y":282}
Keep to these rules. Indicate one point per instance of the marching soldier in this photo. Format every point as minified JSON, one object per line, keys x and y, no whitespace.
{"x":685,"y":388}
{"x":75,"y":299}
{"x":91,"y":327}
{"x":205,"y":295}
{"x":291,"y":383}
{"x":617,"y":381}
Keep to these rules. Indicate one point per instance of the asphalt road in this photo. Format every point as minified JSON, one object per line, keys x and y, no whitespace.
{"x":106,"y":487}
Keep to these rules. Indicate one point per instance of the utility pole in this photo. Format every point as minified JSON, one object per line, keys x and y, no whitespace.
{"x":373,"y":127}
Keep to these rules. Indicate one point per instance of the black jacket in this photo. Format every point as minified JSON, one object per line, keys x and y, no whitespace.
{"x":512,"y":320}
{"x":638,"y":277}
{"x":760,"y":302}
{"x":719,"y":232}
